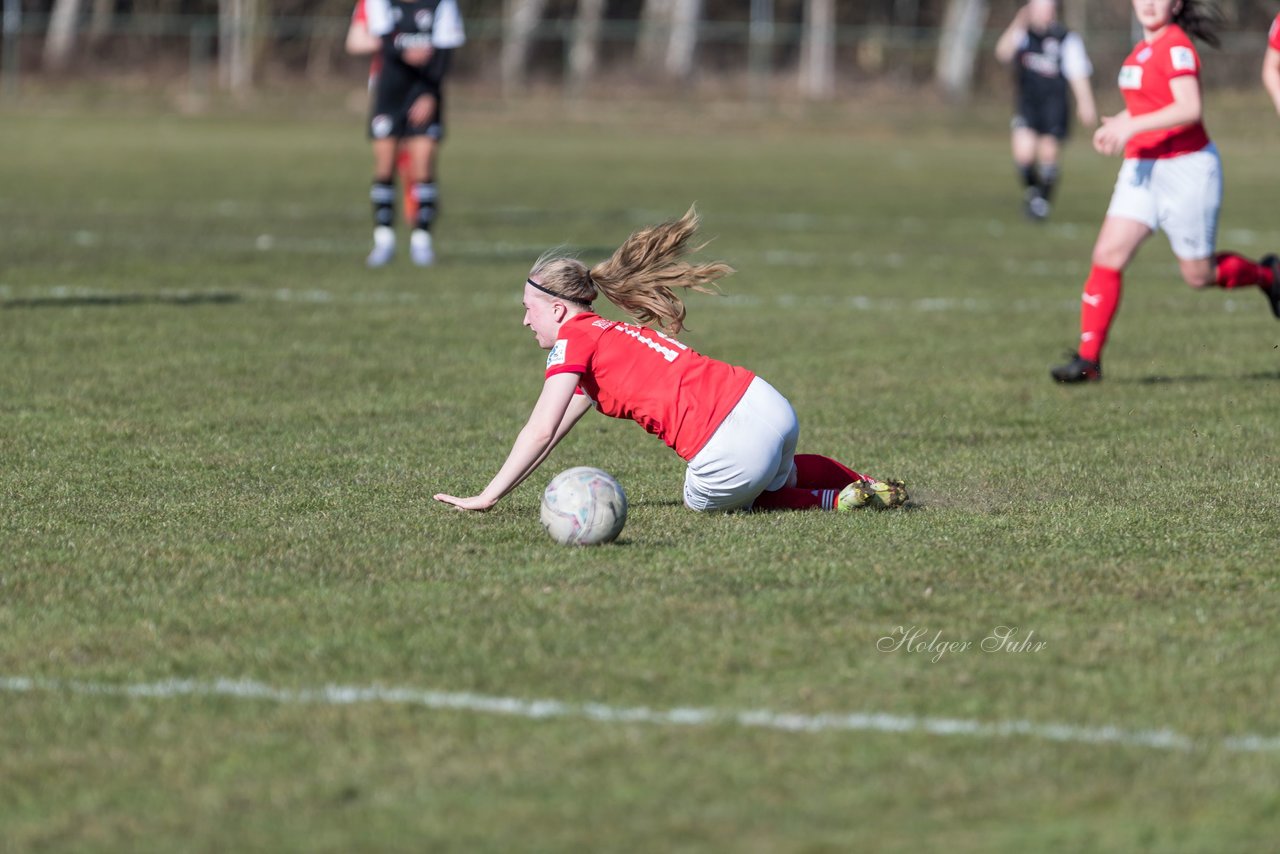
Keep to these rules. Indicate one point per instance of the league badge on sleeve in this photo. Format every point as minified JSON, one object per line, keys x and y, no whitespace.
{"x":556,"y":356}
{"x":1183,"y":58}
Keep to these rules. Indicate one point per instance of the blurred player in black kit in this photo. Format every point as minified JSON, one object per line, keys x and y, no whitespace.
{"x":415,"y":40}
{"x":1048,"y":59}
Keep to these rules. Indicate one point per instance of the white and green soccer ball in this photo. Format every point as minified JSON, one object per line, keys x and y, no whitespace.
{"x":584,"y":506}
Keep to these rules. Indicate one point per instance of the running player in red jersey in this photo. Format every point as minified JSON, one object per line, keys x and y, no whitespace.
{"x":361,"y":43}
{"x":735,"y":431}
{"x":1171,"y":178}
{"x":1271,"y":64}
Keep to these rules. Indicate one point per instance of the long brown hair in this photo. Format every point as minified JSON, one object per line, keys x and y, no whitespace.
{"x":640,"y":277}
{"x":1200,"y":19}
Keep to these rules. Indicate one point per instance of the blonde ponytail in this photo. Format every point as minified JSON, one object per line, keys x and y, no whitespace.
{"x":641,"y":275}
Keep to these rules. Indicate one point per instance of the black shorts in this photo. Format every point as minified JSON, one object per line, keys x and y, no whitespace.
{"x":1047,"y":116}
{"x":393,"y":94}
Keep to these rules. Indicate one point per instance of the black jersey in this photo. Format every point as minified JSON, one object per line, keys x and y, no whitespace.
{"x":1043,"y":65}
{"x":411,"y":27}
{"x":1039,"y":63}
{"x":405,"y":26}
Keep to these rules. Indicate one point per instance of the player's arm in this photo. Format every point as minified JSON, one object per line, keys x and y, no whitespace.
{"x":577,"y":408}
{"x":1077,"y":69}
{"x":361,"y":42}
{"x":1007,"y":44}
{"x":1185,"y":109}
{"x":1086,"y":107}
{"x":1271,"y":75}
{"x":545,"y":427}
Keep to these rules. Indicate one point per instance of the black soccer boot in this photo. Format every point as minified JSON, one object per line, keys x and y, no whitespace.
{"x":1273,"y":293}
{"x":1077,"y":370}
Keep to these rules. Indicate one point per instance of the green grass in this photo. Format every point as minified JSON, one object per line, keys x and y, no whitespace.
{"x":219,"y":436}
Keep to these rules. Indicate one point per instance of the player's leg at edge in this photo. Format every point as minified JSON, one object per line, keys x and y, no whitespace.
{"x":827,"y":484}
{"x":1231,"y":270}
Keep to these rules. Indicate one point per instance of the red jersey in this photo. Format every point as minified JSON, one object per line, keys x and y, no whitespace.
{"x":628,"y":371}
{"x":1273,"y":40}
{"x":1144,"y":82}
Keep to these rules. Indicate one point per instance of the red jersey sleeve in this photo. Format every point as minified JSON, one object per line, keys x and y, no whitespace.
{"x":359,"y":16}
{"x":572,"y":351}
{"x":1273,"y":40}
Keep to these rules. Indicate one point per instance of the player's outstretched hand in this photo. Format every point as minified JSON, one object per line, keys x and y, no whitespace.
{"x":1111,"y":137}
{"x":475,"y":502}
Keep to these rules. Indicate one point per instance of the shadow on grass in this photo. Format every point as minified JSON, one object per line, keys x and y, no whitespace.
{"x":1263,"y":376}
{"x":76,"y":300}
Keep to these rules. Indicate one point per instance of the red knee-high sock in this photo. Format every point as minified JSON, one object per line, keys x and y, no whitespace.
{"x":1098,"y":306}
{"x":1231,"y":271}
{"x":814,"y":471}
{"x":404,"y":164}
{"x":794,"y":498}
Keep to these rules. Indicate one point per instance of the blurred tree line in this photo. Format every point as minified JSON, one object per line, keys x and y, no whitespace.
{"x":809,"y":43}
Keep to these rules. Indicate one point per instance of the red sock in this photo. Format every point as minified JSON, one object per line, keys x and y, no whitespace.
{"x":814,"y":471}
{"x":404,"y":163}
{"x":794,"y":498}
{"x":1098,"y":307}
{"x":1232,"y":271}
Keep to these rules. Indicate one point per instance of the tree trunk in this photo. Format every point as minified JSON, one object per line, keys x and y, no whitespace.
{"x":101,"y":18}
{"x":684,"y":38}
{"x":61,"y":37}
{"x":818,"y":50}
{"x":237,"y":32}
{"x":760,"y":38}
{"x":584,"y":52}
{"x":958,"y":49}
{"x":521,"y":23}
{"x":655,"y":29}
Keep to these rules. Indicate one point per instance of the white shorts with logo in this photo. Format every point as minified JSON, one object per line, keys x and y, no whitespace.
{"x":1177,"y":195}
{"x":752,"y":450}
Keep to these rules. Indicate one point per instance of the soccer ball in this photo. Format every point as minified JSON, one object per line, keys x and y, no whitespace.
{"x":584,"y":506}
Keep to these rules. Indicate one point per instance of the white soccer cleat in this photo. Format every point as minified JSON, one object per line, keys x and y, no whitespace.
{"x":420,"y":250}
{"x":384,"y":247}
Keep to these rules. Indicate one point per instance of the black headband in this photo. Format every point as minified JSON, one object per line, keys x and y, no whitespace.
{"x":531,"y":283}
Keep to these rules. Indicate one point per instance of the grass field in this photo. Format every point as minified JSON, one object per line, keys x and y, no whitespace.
{"x":219,"y":436}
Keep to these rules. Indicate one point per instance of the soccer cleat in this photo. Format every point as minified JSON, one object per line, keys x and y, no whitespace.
{"x":1077,"y":370}
{"x":1038,"y":208}
{"x":877,"y":494}
{"x":1272,"y":262}
{"x":420,"y":250}
{"x":384,"y":247}
{"x":1034,"y":205}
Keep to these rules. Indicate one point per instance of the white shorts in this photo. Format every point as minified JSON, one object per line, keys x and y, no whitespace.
{"x":752,"y":450}
{"x":1177,"y":195}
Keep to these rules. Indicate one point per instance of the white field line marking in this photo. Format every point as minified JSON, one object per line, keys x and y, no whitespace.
{"x":344,"y":695}
{"x":806,"y":222}
{"x":355,"y":247}
{"x":315,"y":296}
